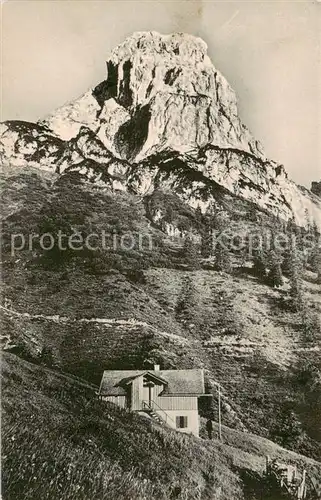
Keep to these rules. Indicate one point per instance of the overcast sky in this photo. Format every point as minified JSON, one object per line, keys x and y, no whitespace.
{"x":269,"y":51}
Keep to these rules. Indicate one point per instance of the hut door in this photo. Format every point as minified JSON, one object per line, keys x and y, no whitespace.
{"x":148,"y":391}
{"x":129,"y":397}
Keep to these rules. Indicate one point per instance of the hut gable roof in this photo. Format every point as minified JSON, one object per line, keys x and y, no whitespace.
{"x":176,"y":382}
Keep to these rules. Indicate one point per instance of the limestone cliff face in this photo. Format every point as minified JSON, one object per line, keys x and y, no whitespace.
{"x":161,"y":91}
{"x":163,"y":113}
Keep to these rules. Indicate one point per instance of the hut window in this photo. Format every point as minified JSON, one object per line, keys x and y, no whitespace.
{"x":181,"y":422}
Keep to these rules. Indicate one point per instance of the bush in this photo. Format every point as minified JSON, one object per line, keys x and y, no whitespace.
{"x":287,"y":430}
{"x":260,"y":265}
{"x":310,"y":325}
{"x":190,"y":254}
{"x":187,"y":301}
{"x":274,"y":277}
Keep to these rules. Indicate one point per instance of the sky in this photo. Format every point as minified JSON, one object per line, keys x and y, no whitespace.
{"x":270,"y":52}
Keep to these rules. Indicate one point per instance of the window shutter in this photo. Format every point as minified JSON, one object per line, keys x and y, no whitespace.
{"x":181,"y":422}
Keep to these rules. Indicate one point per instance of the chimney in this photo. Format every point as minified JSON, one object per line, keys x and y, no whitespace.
{"x":156,"y":368}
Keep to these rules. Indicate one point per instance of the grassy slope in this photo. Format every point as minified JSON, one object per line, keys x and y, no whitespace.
{"x":246,"y":342}
{"x":236,"y":328}
{"x":59,"y":442}
{"x":236,"y":332}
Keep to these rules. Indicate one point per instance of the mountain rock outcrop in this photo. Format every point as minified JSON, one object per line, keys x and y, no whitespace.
{"x":29,"y":143}
{"x":165,"y":114}
{"x":161,"y":92}
{"x":316,"y":188}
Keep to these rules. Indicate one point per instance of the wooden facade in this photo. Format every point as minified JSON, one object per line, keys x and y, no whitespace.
{"x":136,"y":396}
{"x":150,"y":393}
{"x":177,"y":402}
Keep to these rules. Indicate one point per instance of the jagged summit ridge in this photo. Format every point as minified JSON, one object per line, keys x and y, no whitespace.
{"x":178,"y":46}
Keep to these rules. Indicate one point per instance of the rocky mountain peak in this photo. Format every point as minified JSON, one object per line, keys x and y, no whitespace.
{"x":162,"y":99}
{"x":180,"y":47}
{"x":161,"y":91}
